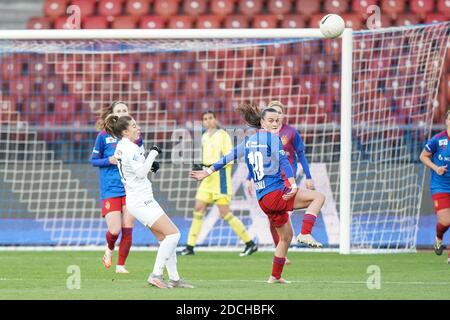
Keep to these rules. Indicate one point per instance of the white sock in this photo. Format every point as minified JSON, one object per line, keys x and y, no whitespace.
{"x":171,"y":266}
{"x":166,"y":249}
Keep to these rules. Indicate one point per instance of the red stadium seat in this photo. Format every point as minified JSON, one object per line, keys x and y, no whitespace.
{"x":124,"y":22}
{"x":87,"y":7}
{"x":95,"y":22}
{"x":8,"y":109}
{"x":421,"y":7}
{"x":250,"y":7}
{"x":280,"y":87}
{"x":265,"y":21}
{"x":308,"y":7}
{"x":51,"y":86}
{"x":65,"y":107}
{"x":263,"y":67}
{"x":237,"y":21}
{"x":66,"y":66}
{"x":393,"y":7}
{"x":94,"y":66}
{"x":37,"y":67}
{"x":195,"y":86}
{"x":315,"y":20}
{"x":61,"y":23}
{"x":137,"y":7}
{"x":293,"y":21}
{"x":352,"y":20}
{"x":152,"y":22}
{"x":11,"y":68}
{"x":443,"y":6}
{"x":55,"y":8}
{"x":194,"y":7}
{"x":176,"y":64}
{"x":166,"y":8}
{"x":181,"y":22}
{"x":360,"y":6}
{"x":336,"y":6}
{"x":39,"y":23}
{"x":149,"y":66}
{"x":208,"y":22}
{"x":20,"y":87}
{"x":108,"y":89}
{"x":406,"y":20}
{"x":280,"y":6}
{"x":222,"y":7}
{"x":33,"y":108}
{"x":435,"y":17}
{"x":110,"y":8}
{"x":81,"y":86}
{"x":291,"y":64}
{"x":122,"y":67}
{"x":164,"y":87}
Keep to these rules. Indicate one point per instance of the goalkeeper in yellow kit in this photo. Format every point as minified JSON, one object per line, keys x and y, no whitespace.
{"x":217,"y":187}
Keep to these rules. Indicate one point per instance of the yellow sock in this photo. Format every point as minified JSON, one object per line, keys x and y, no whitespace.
{"x":195,"y":229}
{"x":238,"y":227}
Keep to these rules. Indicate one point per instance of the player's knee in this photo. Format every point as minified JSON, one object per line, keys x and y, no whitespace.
{"x":175,"y":237}
{"x":115,"y":231}
{"x":320,"y":197}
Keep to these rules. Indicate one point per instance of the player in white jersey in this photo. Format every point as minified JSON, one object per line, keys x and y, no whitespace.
{"x":133,"y":168}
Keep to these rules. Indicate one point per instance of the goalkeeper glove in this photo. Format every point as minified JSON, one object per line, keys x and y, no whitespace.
{"x":156,"y":148}
{"x":197,"y":167}
{"x":155,"y":166}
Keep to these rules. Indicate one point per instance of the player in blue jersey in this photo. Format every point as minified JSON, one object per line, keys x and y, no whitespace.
{"x":436,"y":156}
{"x":266,"y":160}
{"x":112,"y":192}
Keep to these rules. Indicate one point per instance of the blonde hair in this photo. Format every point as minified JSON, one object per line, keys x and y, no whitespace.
{"x":276,"y":103}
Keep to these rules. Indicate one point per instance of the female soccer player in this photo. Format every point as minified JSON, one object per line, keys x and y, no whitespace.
{"x":294,"y":148}
{"x":133,"y":168}
{"x":266,"y":159}
{"x":216,"y":189}
{"x":436,"y":156}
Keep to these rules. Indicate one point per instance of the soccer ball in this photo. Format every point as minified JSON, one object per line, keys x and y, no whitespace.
{"x":332,"y":26}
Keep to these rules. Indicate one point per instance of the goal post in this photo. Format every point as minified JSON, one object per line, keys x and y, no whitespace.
{"x":363,"y":104}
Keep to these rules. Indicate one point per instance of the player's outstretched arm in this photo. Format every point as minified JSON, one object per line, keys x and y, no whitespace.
{"x":142,"y":169}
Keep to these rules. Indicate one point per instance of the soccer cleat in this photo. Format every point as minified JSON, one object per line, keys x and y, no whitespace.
{"x":107,"y":258}
{"x":272,"y":279}
{"x":157,"y":281}
{"x":180,"y":284}
{"x":121,"y":269}
{"x":188,"y":251}
{"x":250,"y":248}
{"x":438,"y":247}
{"x":309,"y":240}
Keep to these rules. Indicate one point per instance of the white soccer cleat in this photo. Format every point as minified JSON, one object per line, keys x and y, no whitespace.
{"x":180,"y":284}
{"x":309,"y":240}
{"x":107,"y":258}
{"x":121,"y":269}
{"x":157,"y":281}
{"x":272,"y":279}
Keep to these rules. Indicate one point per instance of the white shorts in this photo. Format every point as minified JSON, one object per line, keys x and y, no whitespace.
{"x":147,"y":212}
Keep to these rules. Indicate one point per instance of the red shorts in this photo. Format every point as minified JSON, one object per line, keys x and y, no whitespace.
{"x":112,"y":204}
{"x":441,"y":201}
{"x":276,"y":208}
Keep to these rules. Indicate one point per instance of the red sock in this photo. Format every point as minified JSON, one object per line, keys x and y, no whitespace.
{"x":111,"y":239}
{"x":125,"y":245}
{"x":440,"y":230}
{"x":308,"y":223}
{"x":275,"y":236}
{"x":277,"y":266}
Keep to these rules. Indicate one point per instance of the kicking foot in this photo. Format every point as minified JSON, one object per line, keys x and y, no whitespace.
{"x":157,"y":281}
{"x":121,"y":269}
{"x":107,"y":258}
{"x":438,"y":247}
{"x":309,"y":240}
{"x":272,"y":279}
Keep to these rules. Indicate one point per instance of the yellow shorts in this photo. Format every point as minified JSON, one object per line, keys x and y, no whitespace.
{"x":215,"y":188}
{"x":209,"y":198}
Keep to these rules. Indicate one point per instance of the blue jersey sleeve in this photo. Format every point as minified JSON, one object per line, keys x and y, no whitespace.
{"x":97,"y":159}
{"x":235,"y":154}
{"x":300,"y":150}
{"x":432,"y":145}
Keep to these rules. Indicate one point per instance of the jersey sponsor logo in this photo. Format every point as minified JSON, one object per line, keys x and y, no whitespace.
{"x":111,"y":140}
{"x":148,"y":202}
{"x":260,"y":185}
{"x":254,"y":144}
{"x":284,"y":140}
{"x":443,"y":143}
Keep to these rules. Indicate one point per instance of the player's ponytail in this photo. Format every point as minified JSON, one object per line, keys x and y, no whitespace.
{"x":251,"y":114}
{"x":115,"y":125}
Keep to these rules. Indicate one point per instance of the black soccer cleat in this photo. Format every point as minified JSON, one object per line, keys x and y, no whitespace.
{"x":188,"y":251}
{"x":438,"y":247}
{"x":250,"y":247}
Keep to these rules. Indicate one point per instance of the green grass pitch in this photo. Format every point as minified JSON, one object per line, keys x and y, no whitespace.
{"x":43,"y":275}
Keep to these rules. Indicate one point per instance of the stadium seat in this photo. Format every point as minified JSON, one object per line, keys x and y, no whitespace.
{"x":265,"y":21}
{"x":291,"y":64}
{"x":293,"y":21}
{"x":166,"y":8}
{"x":314,"y":21}
{"x":279,"y":6}
{"x":65,"y":66}
{"x":308,"y":7}
{"x":164,"y":86}
{"x":195,"y":86}
{"x":81,"y":86}
{"x":360,"y":6}
{"x":176,"y":64}
{"x":87,"y":7}
{"x":309,"y":84}
{"x":107,"y":89}
{"x":11,"y":67}
{"x":336,"y":6}
{"x":152,"y":22}
{"x":333,"y":48}
{"x":250,"y":7}
{"x":321,"y":66}
{"x":122,"y":67}
{"x":32,"y":108}
{"x":435,"y":17}
{"x":194,"y":8}
{"x":137,"y":7}
{"x":110,"y":8}
{"x":263,"y":67}
{"x":61,"y":23}
{"x":124,"y":22}
{"x":65,"y":107}
{"x":180,"y":22}
{"x":443,"y":6}
{"x":51,"y":86}
{"x":353,"y":21}
{"x":55,"y":8}
{"x":406,"y":20}
{"x":37,"y":67}
{"x":149,"y":66}
{"x":8,"y":108}
{"x":421,"y":7}
{"x":393,"y":7}
{"x":93,"y":66}
{"x":95,"y":22}
{"x":222,"y":7}
{"x":279,"y":86}
{"x":237,"y":21}
{"x":209,"y":22}
{"x":19,"y":87}
{"x":39,"y":23}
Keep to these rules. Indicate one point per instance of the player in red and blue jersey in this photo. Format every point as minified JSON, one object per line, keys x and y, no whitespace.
{"x":436,"y":156}
{"x":112,"y":192}
{"x":295,"y":150}
{"x":267,"y":163}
